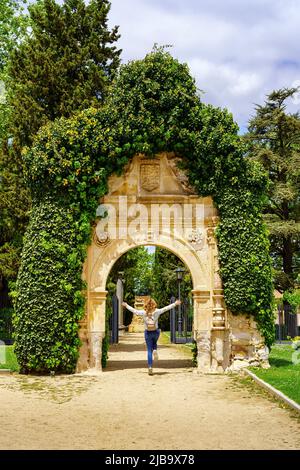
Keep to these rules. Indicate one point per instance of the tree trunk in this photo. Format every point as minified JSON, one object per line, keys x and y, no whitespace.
{"x":288,"y":256}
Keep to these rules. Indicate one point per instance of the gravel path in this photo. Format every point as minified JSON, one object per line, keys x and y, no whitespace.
{"x":124,"y":408}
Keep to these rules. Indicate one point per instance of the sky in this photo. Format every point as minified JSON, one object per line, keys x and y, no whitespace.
{"x":237,"y":50}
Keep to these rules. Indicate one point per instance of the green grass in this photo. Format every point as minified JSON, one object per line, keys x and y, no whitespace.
{"x":167,"y":335}
{"x":284,"y":374}
{"x":10,"y":359}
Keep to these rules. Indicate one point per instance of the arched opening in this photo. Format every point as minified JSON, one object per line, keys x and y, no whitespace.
{"x":166,"y":214}
{"x":150,"y":205}
{"x":138,"y":274}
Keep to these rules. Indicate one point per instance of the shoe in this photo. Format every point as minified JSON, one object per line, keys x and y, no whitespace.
{"x":155,"y":354}
{"x":150,"y":371}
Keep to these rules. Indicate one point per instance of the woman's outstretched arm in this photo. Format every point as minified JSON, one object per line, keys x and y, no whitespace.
{"x":133,"y":310}
{"x":168,"y":307}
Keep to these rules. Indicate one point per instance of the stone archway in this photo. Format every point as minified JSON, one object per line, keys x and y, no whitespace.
{"x":153,"y":204}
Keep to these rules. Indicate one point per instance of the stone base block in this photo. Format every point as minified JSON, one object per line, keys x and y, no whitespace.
{"x":231,"y":349}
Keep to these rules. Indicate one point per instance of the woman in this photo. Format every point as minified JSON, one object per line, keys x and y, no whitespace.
{"x":151,"y":315}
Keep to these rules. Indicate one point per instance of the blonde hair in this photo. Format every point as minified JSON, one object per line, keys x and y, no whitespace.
{"x":150,"y":306}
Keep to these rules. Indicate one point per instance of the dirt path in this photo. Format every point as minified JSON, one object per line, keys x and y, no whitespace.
{"x":124,"y":408}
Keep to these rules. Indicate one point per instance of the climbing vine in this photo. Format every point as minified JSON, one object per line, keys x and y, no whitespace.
{"x":153,"y":106}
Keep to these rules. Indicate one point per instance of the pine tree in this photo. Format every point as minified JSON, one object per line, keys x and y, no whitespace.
{"x":274,"y":139}
{"x":66,"y":63}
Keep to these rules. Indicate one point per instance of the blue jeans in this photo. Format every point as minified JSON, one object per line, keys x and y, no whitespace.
{"x":151,"y":338}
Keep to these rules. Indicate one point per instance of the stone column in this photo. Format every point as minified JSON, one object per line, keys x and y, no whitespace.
{"x":96,"y":321}
{"x":120,"y":295}
{"x":219,"y":329}
{"x":202,"y":320}
{"x":83,"y":360}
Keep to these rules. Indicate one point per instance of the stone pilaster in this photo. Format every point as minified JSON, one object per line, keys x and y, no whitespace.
{"x":220,"y":348}
{"x":202,"y":321}
{"x":120,"y":295}
{"x":96,"y":322}
{"x":83,"y":360}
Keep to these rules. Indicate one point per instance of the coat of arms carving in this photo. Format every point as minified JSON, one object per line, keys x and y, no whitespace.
{"x":196,"y":239}
{"x":150,"y":176}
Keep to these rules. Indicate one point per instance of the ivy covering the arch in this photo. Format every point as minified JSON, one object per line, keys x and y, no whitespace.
{"x":153,"y":106}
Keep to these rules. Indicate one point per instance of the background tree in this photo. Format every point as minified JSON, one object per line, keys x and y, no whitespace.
{"x":147,"y":273}
{"x":165,"y":281}
{"x":137,"y":265}
{"x":13,"y":25}
{"x":65,"y":63}
{"x":274,"y":139}
{"x":164,"y":274}
{"x":13,"y":29}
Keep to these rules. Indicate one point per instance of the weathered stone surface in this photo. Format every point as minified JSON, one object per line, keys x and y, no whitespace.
{"x":84,"y":360}
{"x":237,"y":365}
{"x":247,"y":344}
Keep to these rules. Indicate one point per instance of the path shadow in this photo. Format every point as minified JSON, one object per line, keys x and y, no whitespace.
{"x":161,"y":364}
{"x":125,"y":347}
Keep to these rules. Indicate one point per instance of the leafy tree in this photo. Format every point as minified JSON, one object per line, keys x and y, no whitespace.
{"x":274,"y":139}
{"x":165,"y":281}
{"x":150,"y":274}
{"x":165,"y":264}
{"x":137,"y":265}
{"x":13,"y":29}
{"x":66,"y":63}
{"x":13,"y":25}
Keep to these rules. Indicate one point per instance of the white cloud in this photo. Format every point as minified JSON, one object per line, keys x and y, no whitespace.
{"x":238,"y":50}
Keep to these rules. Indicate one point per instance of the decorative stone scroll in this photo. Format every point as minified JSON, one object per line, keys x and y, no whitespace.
{"x":210,"y":235}
{"x":101,"y":238}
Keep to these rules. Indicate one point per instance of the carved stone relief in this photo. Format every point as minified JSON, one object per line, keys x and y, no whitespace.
{"x":101,"y":238}
{"x":196,"y":238}
{"x":150,"y":176}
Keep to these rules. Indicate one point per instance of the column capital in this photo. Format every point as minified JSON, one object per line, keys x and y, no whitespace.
{"x":201,"y":295}
{"x":98,"y":296}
